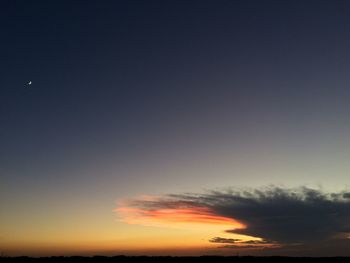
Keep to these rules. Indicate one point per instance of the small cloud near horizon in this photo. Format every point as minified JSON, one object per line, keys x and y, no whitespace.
{"x":224,"y":240}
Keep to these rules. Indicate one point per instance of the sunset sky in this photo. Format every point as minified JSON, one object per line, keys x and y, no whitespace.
{"x":175,"y":127}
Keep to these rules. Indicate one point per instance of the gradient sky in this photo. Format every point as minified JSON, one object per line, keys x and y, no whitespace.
{"x":135,"y":100}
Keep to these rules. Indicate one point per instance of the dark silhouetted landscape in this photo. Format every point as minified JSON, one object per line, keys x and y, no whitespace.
{"x":169,"y":259}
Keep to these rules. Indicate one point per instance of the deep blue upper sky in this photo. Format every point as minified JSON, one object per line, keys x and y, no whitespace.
{"x":123,"y":75}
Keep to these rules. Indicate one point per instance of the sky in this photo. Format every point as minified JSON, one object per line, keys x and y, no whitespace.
{"x":174,"y":127}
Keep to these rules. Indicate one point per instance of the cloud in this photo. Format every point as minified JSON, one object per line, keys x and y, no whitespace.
{"x":234,"y":243}
{"x":256,"y":242}
{"x":223,"y":240}
{"x":241,"y":247}
{"x":171,"y":212}
{"x":286,"y":216}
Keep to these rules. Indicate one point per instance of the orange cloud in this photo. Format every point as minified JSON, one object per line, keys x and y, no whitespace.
{"x":198,"y":222}
{"x":175,"y":215}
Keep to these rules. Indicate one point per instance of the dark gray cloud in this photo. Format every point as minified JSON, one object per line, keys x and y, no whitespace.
{"x":346,"y":195}
{"x":282,"y":215}
{"x":295,"y":215}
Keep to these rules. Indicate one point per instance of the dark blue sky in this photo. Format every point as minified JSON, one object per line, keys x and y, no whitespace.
{"x":129,"y":69}
{"x":132,"y":97}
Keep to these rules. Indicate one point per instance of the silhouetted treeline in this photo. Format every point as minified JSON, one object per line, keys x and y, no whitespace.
{"x":146,"y":259}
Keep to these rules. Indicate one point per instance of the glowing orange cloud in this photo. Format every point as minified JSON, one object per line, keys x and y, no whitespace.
{"x":197,"y":221}
{"x":174,"y":215}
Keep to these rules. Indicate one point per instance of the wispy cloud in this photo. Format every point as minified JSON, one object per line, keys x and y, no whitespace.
{"x":235,"y":243}
{"x":224,"y":240}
